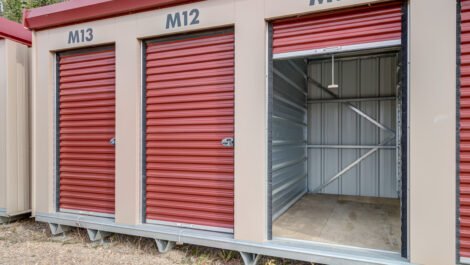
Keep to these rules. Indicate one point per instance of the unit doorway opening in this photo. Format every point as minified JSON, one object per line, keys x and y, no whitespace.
{"x":335,"y":144}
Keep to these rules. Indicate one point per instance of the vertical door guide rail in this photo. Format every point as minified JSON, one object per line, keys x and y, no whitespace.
{"x":464,"y":132}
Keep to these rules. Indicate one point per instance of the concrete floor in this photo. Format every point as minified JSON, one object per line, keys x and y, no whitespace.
{"x":345,"y":220}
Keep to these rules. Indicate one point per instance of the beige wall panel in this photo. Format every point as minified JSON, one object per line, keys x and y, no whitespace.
{"x":14,"y":128}
{"x":215,"y":13}
{"x":18,"y":177}
{"x":250,"y":121}
{"x":432,"y":131}
{"x":43,"y":126}
{"x":3,"y":122}
{"x":283,"y":8}
{"x":128,"y":128}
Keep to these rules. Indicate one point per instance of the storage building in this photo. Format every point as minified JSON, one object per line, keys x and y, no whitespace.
{"x":15,"y":178}
{"x":322,"y":131}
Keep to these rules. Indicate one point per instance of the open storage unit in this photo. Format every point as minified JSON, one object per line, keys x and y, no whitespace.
{"x":320,"y":131}
{"x":336,"y":127}
{"x":15,"y":178}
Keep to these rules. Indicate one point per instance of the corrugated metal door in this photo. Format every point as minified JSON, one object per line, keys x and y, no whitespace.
{"x":465,"y":131}
{"x":359,"y":25}
{"x":189,"y":111}
{"x":86,"y":126}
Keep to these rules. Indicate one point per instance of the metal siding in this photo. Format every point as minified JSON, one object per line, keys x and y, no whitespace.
{"x":190,"y":109}
{"x":289,"y":134}
{"x":359,"y":25}
{"x":87,"y":124}
{"x":465,"y":130}
{"x":336,"y":124}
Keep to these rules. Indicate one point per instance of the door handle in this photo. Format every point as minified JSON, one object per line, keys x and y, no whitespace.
{"x":112,"y":141}
{"x":228,"y":142}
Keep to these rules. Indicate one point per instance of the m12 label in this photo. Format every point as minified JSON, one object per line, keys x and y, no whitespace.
{"x":80,"y":35}
{"x":181,"y":19}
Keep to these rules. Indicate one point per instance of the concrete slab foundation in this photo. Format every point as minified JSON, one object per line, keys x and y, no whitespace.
{"x":346,"y":220}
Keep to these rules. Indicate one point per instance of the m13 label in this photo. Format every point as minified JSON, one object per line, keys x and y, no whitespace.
{"x":80,"y":35}
{"x":319,"y":2}
{"x":181,"y":19}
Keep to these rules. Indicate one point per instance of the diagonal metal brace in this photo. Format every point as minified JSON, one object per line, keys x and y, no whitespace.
{"x":58,"y":229}
{"x":350,"y":166}
{"x":164,"y":246}
{"x":353,"y":108}
{"x":250,"y":258}
{"x":97,"y":235}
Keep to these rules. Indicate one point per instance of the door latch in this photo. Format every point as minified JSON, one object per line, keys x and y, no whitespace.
{"x":227,"y":142}
{"x":112,"y":141}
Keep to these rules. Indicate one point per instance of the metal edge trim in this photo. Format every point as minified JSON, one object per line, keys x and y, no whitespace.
{"x":404,"y":134}
{"x":191,"y":34}
{"x":143,"y":133}
{"x":3,"y":213}
{"x":88,"y":213}
{"x":464,"y":260}
{"x":457,"y":135}
{"x":56,"y":128}
{"x":270,"y":102}
{"x":80,"y":50}
{"x":306,"y":252}
{"x":337,"y":49}
{"x":191,"y":226}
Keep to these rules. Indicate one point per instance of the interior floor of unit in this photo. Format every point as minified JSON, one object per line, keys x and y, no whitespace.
{"x":344,"y":220}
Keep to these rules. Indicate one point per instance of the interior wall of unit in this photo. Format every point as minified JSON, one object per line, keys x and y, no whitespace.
{"x":335,"y":131}
{"x":289,"y":134}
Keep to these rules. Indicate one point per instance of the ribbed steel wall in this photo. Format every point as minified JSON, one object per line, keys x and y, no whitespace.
{"x":190,"y":109}
{"x":465,"y":130}
{"x":359,"y":25}
{"x":87,"y":123}
{"x":336,"y":124}
{"x":289,"y":134}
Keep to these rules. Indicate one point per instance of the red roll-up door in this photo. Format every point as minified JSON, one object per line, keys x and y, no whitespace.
{"x":465,"y":130}
{"x":87,"y":119}
{"x":189,"y":111}
{"x":358,"y":25}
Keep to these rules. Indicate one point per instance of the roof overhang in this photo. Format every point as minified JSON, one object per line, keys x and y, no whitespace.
{"x":14,"y":31}
{"x":77,"y":11}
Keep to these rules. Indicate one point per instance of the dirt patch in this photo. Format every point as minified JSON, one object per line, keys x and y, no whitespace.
{"x":28,"y":242}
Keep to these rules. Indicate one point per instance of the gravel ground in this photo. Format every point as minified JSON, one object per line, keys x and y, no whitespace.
{"x":28,"y":242}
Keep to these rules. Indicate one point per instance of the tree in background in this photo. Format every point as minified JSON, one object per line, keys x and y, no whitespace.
{"x":14,"y":8}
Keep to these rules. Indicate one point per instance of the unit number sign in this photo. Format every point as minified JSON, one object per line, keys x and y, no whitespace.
{"x":182,"y":19}
{"x":80,"y":35}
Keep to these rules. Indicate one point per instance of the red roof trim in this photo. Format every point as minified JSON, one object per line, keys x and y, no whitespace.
{"x":77,"y":11}
{"x":14,"y":31}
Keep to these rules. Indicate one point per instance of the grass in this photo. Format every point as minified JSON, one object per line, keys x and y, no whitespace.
{"x":118,"y":248}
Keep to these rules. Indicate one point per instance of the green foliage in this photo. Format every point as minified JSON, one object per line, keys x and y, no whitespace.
{"x":14,"y":8}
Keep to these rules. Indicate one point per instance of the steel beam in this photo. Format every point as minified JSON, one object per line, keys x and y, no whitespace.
{"x":353,"y":108}
{"x":350,"y":146}
{"x":354,"y":163}
{"x":343,"y":100}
